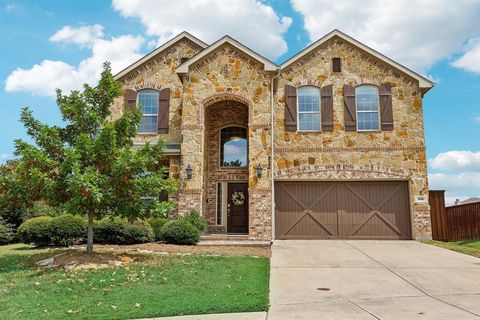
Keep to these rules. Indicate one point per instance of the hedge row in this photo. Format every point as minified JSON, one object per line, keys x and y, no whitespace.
{"x":66,"y":230}
{"x":63,"y":230}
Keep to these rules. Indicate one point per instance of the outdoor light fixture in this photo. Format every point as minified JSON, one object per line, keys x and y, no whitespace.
{"x":188,"y":170}
{"x":259,"y":169}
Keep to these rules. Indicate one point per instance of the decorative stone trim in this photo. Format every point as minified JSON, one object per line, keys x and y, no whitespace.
{"x":190,"y":191}
{"x":224,"y":97}
{"x":346,"y":149}
{"x":147,"y":85}
{"x":341,"y":171}
{"x":259,"y":191}
{"x":308,"y":82}
{"x":193,"y":126}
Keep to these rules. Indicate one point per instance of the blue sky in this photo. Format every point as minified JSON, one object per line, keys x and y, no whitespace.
{"x":48,"y":44}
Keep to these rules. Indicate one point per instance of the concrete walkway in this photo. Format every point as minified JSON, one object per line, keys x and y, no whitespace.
{"x":367,"y":280}
{"x":219,"y":316}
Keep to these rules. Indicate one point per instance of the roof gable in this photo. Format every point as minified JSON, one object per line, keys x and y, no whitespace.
{"x":423,"y":82}
{"x":268,"y":65}
{"x":166,"y":45}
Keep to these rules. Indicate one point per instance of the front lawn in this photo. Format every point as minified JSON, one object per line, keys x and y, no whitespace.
{"x":470,"y":247}
{"x":155,"y":285}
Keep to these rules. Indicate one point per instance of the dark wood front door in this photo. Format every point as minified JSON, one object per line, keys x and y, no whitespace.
{"x":237,"y":208}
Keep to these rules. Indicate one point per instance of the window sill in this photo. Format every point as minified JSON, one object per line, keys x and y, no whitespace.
{"x":309,"y":132}
{"x":147,"y":134}
{"x":231,"y":168}
{"x":367,"y":131}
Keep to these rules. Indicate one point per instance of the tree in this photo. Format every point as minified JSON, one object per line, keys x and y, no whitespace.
{"x":89,"y":166}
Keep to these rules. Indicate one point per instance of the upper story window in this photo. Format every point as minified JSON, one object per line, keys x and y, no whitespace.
{"x":308,"y":109}
{"x":148,"y":101}
{"x":366,"y":103}
{"x":233,"y":147}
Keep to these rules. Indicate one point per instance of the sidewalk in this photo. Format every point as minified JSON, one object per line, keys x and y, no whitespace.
{"x":219,"y":316}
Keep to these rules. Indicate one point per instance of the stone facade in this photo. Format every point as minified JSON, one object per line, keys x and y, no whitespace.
{"x":341,"y":155}
{"x":228,"y":86}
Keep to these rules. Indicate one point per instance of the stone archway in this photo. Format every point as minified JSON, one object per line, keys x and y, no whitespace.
{"x":220,"y":112}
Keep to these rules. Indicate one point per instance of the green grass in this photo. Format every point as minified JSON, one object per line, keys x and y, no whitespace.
{"x":470,"y":247}
{"x":159,"y":286}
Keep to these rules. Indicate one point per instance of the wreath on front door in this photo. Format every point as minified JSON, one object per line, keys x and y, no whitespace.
{"x":238,"y":198}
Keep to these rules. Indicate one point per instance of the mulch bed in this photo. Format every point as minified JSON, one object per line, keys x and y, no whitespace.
{"x":176,"y":249}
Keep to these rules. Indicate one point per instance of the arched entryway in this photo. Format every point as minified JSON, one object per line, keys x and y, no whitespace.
{"x":226,"y":167}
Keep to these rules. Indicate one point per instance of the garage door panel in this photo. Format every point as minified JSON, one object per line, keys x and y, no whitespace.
{"x":348,"y":210}
{"x":308,"y":210}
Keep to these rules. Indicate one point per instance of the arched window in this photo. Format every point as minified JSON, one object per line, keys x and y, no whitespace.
{"x":366,"y":103}
{"x":233,"y":147}
{"x":148,"y":101}
{"x":308,"y":109}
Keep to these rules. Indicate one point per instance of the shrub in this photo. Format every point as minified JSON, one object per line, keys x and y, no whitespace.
{"x":36,"y":230}
{"x":119,"y":231}
{"x":6,"y":232}
{"x":180,"y":231}
{"x":196,"y":220}
{"x":139,"y":232}
{"x":41,"y":209}
{"x":68,"y":229}
{"x":157,"y":224}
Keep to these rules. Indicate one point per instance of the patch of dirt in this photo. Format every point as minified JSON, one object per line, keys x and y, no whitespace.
{"x":163,"y":248}
{"x":73,"y":260}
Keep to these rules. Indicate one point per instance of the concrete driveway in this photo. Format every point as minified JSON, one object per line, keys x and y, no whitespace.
{"x":330,"y":279}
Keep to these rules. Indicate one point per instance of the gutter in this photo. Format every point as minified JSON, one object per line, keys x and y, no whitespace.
{"x":272,"y":142}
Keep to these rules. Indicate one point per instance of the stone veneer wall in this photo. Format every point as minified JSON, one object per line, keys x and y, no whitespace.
{"x":227,"y":74}
{"x":382,"y":155}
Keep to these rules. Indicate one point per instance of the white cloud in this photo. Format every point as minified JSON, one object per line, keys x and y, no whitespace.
{"x":470,"y":60}
{"x":252,"y":22}
{"x":451,"y":160}
{"x":83,"y":36}
{"x":476,"y":117}
{"x":416,"y":33}
{"x":457,"y":186}
{"x":5,"y":156}
{"x":45,"y":77}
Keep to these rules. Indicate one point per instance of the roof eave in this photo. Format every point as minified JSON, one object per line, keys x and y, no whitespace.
{"x":422,"y":81}
{"x":267,"y":64}
{"x":163,"y":47}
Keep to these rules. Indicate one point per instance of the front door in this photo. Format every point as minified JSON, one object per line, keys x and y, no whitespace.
{"x":237,"y":208}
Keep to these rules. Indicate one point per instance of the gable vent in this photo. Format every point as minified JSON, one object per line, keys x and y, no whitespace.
{"x":336,"y":65}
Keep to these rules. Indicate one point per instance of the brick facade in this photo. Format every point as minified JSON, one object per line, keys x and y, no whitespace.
{"x":220,"y":115}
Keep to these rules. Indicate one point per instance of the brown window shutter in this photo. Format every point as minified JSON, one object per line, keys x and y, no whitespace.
{"x":163,"y":110}
{"x":386,"y":111}
{"x":327,"y":108}
{"x":350,"y":112}
{"x":130,"y":99}
{"x":290,"y":108}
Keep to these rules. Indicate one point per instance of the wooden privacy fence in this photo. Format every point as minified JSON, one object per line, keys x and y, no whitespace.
{"x":454,"y":223}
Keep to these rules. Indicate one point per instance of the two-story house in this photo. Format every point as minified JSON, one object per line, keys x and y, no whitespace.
{"x":329,"y":144}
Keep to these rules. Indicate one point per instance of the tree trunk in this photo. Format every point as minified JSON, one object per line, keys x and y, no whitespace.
{"x":90,"y":234}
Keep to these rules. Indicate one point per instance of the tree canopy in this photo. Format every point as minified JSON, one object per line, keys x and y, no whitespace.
{"x":90,"y":165}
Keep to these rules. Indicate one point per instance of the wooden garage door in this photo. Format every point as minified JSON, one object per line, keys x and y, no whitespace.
{"x":342,"y":210}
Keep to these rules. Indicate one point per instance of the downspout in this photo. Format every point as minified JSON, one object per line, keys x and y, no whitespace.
{"x":272,"y":142}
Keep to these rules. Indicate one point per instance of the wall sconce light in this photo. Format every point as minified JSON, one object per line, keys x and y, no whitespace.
{"x":188,"y":170}
{"x":259,"y":169}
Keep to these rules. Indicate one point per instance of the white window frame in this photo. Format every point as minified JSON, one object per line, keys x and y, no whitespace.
{"x":148,"y":114}
{"x":363,"y":111}
{"x":319,"y":112}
